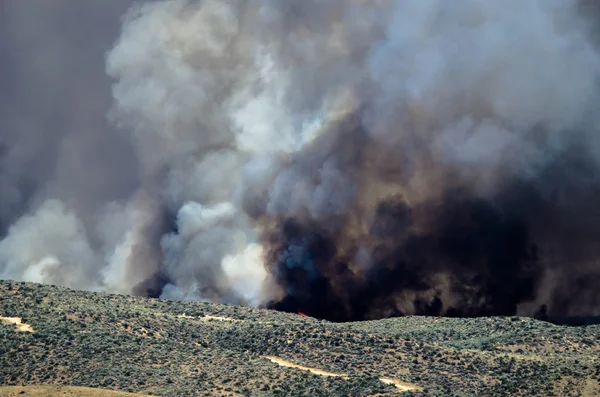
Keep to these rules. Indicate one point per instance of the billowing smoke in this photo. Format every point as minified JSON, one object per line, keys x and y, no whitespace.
{"x":348,"y":159}
{"x":61,"y":163}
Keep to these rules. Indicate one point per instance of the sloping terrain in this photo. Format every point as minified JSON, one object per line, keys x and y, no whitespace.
{"x":168,"y":348}
{"x":62,"y":391}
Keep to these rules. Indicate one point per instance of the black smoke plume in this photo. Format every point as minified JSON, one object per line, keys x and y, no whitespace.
{"x":456,"y":255}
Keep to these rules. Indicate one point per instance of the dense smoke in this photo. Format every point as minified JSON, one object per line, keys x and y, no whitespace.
{"x":348,"y":159}
{"x":61,"y":163}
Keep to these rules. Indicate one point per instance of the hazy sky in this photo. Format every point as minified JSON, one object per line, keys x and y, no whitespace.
{"x":54,"y":95}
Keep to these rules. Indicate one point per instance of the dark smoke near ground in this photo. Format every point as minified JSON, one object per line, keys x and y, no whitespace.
{"x":456,"y":255}
{"x":347,"y":159}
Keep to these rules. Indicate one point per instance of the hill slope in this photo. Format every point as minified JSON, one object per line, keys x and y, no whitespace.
{"x":169,"y":348}
{"x":62,"y":391}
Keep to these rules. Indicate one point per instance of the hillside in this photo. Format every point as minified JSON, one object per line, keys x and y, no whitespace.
{"x":58,"y":336}
{"x":62,"y":391}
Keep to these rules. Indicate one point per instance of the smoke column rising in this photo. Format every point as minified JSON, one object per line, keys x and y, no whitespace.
{"x":348,"y":159}
{"x":61,"y":163}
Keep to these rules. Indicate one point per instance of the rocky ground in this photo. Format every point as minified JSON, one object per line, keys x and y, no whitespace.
{"x":57,"y":336}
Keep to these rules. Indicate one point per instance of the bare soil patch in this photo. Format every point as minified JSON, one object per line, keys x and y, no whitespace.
{"x":21,"y":326}
{"x":401,"y":386}
{"x":315,"y":371}
{"x":209,"y":317}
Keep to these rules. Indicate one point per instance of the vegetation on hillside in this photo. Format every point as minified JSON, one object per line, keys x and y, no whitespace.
{"x":171,"y":348}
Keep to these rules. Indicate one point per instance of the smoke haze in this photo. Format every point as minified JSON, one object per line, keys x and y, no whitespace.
{"x":349,"y":159}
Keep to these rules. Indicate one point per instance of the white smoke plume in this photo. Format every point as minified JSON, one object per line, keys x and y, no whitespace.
{"x":243,"y":112}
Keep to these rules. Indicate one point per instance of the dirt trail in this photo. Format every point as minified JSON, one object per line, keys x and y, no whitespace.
{"x":315,"y":371}
{"x":21,"y":326}
{"x":401,"y":386}
{"x":209,"y":317}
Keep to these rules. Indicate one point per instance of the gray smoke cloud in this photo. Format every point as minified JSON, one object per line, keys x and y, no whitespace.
{"x":61,"y":162}
{"x":233,"y":116}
